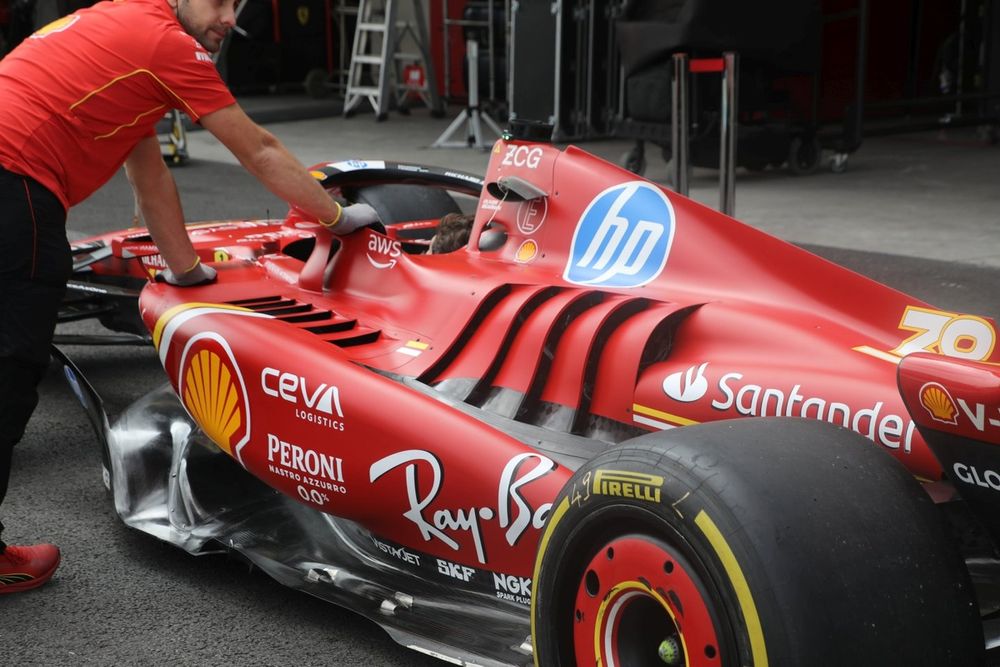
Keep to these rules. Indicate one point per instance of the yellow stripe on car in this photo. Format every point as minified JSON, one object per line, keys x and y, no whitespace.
{"x":165,"y":318}
{"x":659,"y":414}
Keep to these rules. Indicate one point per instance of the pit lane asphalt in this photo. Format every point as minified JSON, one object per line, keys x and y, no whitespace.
{"x":123,"y":598}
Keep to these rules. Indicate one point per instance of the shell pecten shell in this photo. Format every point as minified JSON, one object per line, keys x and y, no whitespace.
{"x":938,"y":403}
{"x":212,"y":398}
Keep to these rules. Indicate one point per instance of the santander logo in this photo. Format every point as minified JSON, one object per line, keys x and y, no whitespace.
{"x":687,"y":386}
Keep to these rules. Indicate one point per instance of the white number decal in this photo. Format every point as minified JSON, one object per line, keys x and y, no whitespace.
{"x":950,"y":334}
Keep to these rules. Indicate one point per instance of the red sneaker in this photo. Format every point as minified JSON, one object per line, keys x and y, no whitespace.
{"x":22,"y":568}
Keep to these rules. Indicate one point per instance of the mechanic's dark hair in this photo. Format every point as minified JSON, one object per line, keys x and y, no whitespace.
{"x":452,"y":233}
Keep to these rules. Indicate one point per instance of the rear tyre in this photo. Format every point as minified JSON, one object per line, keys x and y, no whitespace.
{"x":750,"y":542}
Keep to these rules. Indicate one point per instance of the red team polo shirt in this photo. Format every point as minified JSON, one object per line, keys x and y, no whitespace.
{"x":79,"y":94}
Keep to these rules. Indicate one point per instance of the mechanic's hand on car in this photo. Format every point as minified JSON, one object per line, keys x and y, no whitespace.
{"x":352,"y":218}
{"x":199,"y":274}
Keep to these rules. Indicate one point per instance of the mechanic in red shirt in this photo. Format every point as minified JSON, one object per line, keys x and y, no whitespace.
{"x":78,"y":99}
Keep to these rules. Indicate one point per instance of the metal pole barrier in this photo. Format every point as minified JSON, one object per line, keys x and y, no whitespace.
{"x":475,"y":137}
{"x":491,"y":49}
{"x":860,"y":71}
{"x":961,"y":57}
{"x":471,"y":115}
{"x":727,"y":138}
{"x":679,"y":124}
{"x":446,"y":47}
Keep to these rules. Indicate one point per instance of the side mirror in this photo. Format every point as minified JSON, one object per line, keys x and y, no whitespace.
{"x":515,"y":188}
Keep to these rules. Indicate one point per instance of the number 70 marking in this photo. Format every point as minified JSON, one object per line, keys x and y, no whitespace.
{"x":950,"y":334}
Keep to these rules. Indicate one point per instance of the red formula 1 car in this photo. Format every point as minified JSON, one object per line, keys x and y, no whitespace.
{"x":618,"y":428}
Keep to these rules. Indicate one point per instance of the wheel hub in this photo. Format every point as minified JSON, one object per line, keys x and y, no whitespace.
{"x":639,"y":604}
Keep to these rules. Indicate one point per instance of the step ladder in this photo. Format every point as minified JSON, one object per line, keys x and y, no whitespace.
{"x":372,"y":74}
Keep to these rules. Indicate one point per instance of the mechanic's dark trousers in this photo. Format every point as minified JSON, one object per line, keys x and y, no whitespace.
{"x":35,"y":263}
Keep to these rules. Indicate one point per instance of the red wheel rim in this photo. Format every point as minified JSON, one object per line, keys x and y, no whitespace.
{"x":640,"y":603}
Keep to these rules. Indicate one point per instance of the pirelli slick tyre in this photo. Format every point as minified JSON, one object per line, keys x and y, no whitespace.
{"x":779,"y":542}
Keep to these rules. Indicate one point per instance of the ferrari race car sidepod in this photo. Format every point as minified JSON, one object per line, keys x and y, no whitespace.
{"x":480,"y":450}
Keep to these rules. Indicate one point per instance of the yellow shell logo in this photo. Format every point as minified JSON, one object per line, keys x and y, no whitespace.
{"x":938,"y":403}
{"x":213,"y":397}
{"x":526,"y":252}
{"x":318,"y":175}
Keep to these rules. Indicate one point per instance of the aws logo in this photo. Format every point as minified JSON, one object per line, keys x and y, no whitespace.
{"x":623,"y":237}
{"x":383,"y":249}
{"x":214,"y":393}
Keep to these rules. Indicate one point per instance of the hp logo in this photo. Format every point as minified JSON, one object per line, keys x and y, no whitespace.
{"x":623,"y":238}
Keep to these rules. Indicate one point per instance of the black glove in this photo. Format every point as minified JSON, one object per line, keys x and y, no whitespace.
{"x":353,"y":218}
{"x":199,"y":275}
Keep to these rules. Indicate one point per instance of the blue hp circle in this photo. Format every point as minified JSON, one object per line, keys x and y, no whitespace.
{"x":623,"y":238}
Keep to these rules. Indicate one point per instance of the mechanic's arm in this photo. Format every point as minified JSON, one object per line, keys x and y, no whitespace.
{"x":269,"y":161}
{"x":160,"y":205}
{"x":272,"y":164}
